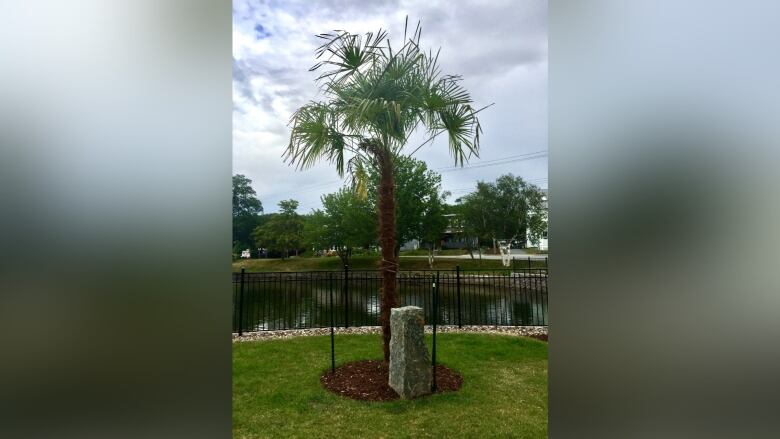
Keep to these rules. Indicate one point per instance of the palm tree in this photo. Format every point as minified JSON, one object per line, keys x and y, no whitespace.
{"x":375,"y":98}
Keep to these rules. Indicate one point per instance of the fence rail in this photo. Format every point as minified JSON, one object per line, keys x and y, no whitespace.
{"x":316,"y":299}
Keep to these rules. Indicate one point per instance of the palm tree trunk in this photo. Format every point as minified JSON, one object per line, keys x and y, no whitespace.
{"x":389,"y":263}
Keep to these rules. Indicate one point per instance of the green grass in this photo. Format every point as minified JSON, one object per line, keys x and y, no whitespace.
{"x":368,"y":263}
{"x":277,"y":393}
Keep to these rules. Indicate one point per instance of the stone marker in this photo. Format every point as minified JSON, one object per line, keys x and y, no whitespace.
{"x":410,"y":365}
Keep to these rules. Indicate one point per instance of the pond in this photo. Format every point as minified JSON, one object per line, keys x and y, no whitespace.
{"x":274,"y":301}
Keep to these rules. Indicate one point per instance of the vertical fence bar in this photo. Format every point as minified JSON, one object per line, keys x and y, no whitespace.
{"x":544,"y":303}
{"x":332,"y":341}
{"x":457,"y":287}
{"x":267,"y":288}
{"x":529,"y":264}
{"x":346,"y":296}
{"x":257,"y":289}
{"x":546,"y":295}
{"x":540,"y":287}
{"x":241,"y":305}
{"x":481,"y":293}
{"x":435,"y":312}
{"x":294,"y":301}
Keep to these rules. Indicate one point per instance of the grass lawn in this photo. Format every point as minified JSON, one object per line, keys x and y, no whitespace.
{"x":369,"y":263}
{"x":277,"y":393}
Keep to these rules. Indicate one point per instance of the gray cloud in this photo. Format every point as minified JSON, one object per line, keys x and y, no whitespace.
{"x":337,"y":9}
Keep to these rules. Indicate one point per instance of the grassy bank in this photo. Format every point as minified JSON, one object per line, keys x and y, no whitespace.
{"x":277,"y":393}
{"x":368,"y":263}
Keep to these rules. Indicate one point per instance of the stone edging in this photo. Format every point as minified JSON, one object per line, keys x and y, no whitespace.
{"x":503,"y":330}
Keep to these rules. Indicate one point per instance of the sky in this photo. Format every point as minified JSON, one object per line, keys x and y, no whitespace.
{"x":499,"y":47}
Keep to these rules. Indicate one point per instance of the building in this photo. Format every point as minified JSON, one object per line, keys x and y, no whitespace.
{"x":451,"y":238}
{"x":453,"y":234}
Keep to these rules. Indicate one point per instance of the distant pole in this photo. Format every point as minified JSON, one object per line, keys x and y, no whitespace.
{"x":241,"y":305}
{"x":332,"y":342}
{"x":435,"y":318}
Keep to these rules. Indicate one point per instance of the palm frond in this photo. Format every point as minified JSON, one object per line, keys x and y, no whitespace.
{"x":314,"y":136}
{"x":380,"y":93}
{"x":347,"y":53}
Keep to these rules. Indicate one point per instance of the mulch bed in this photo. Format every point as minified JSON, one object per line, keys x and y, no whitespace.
{"x":366,"y":380}
{"x":542,"y":337}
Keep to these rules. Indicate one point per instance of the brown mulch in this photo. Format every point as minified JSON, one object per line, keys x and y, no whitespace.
{"x":366,"y":380}
{"x":542,"y":337}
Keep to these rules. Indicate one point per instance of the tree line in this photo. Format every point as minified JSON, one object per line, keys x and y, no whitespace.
{"x":506,"y":209}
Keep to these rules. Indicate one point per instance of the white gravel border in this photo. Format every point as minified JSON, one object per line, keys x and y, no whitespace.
{"x":503,"y":330}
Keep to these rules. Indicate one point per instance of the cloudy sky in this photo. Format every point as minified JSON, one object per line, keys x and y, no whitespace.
{"x":500,"y":48}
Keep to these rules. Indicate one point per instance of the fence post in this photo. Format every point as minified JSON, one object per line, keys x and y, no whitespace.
{"x":435,"y":318}
{"x":545,"y":263}
{"x":457,"y":287}
{"x":346,"y":296}
{"x":332,"y":342}
{"x":241,"y":305}
{"x":529,"y":265}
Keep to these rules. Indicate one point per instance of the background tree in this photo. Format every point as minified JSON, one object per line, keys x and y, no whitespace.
{"x":463,"y":229}
{"x":477,"y":210}
{"x":537,"y":219}
{"x":283,"y":231}
{"x":415,"y":187}
{"x":315,"y":236}
{"x":246,"y":213}
{"x":515,"y":200}
{"x":348,"y":222}
{"x":433,"y":223}
{"x":503,"y":210}
{"x":375,"y":98}
{"x":245,"y":200}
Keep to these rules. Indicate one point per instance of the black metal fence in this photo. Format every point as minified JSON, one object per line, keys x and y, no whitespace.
{"x":301,"y":300}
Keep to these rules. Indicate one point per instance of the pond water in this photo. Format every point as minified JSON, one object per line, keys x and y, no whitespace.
{"x":274,"y":301}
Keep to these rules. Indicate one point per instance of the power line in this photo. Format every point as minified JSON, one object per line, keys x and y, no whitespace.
{"x":494,"y":164}
{"x":502,"y":159}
